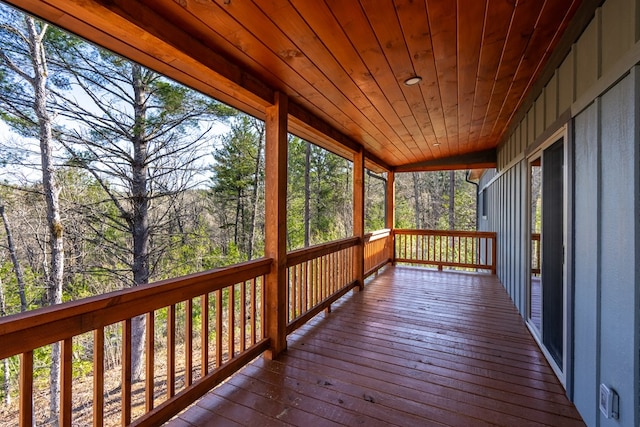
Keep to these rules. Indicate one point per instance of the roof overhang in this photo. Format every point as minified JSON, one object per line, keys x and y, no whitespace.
{"x":343,"y":64}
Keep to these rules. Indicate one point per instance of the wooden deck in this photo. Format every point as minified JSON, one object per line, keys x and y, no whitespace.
{"x":416,"y":348}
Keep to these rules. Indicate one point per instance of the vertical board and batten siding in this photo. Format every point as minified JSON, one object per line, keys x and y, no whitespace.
{"x":618,"y":241}
{"x":503,"y":196}
{"x":587,"y":261}
{"x":598,"y":84}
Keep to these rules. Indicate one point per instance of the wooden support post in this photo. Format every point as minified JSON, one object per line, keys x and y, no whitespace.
{"x":390,"y":216}
{"x":276,"y":224}
{"x":358,"y":216}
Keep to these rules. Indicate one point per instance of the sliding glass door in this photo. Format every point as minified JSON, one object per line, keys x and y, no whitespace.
{"x":547,"y":287}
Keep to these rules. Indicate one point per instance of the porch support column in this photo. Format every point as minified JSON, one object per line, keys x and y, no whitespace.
{"x":276,"y":224}
{"x":391,"y":212}
{"x":358,"y":215}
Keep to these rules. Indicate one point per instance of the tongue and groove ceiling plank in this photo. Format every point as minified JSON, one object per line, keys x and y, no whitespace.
{"x":343,"y":63}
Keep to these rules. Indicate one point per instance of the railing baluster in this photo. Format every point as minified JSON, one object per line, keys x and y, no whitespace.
{"x":311,"y":285}
{"x":150,"y":361}
{"x":219,"y":328}
{"x":243,"y":316}
{"x":253,"y":311}
{"x":188,"y":342}
{"x":66,"y":380}
{"x":466,"y":250}
{"x":486,"y":249}
{"x":405,"y":238}
{"x":126,"y":372}
{"x":26,"y":389}
{"x":204,"y":335}
{"x":305,"y":283}
{"x":318,"y":281}
{"x":171,"y":351}
{"x":323,"y":277}
{"x":333,"y":273}
{"x":331,"y":280}
{"x":263,"y":306}
{"x":230,"y":320}
{"x":300,"y":289}
{"x":291,"y":293}
{"x":98,"y":377}
{"x":314,"y":283}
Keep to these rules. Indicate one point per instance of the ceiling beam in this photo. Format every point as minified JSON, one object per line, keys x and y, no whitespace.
{"x":477,"y":160}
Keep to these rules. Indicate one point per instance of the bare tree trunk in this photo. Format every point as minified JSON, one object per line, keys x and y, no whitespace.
{"x":14,"y":258}
{"x":307,"y":196}
{"x":51,"y":191}
{"x":239,"y":207}
{"x":255,"y":196}
{"x":6,"y":389}
{"x":36,"y":77}
{"x":6,"y":386}
{"x":139,"y":218}
{"x":417,"y":198}
{"x":452,"y":200}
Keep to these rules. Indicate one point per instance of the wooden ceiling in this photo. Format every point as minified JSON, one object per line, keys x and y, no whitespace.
{"x":343,"y":63}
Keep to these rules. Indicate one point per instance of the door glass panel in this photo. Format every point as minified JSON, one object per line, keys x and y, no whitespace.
{"x":553,"y":250}
{"x":535,"y":296}
{"x":546,"y":290}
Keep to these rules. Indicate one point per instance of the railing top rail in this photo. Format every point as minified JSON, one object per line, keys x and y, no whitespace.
{"x":456,"y":233}
{"x":306,"y":254}
{"x":378,"y":234}
{"x":40,"y":327}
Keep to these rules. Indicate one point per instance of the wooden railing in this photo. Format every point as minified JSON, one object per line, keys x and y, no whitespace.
{"x":318,"y":276}
{"x":378,"y":248}
{"x":460,"y":249}
{"x":535,"y":254}
{"x":219,"y":315}
{"x":229,"y":333}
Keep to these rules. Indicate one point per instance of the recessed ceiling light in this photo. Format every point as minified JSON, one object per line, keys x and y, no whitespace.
{"x":413,"y":80}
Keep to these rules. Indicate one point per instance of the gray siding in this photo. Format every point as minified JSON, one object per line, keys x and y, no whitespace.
{"x":597,"y":90}
{"x":587,"y":263}
{"x":506,"y":216}
{"x":617,"y":246}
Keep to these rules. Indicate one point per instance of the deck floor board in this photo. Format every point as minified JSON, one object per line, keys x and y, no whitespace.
{"x":416,"y":347}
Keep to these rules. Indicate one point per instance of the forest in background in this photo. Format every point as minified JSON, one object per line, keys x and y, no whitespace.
{"x":115,"y":176}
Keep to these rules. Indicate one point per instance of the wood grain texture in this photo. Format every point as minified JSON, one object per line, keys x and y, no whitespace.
{"x":416,"y":347}
{"x":343,"y":64}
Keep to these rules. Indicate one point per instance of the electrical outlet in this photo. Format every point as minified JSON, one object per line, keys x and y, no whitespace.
{"x":608,"y":402}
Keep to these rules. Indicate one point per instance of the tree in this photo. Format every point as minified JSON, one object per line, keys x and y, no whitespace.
{"x":11,"y":247}
{"x":319,"y":193}
{"x":237,"y":182}
{"x":435,"y":200}
{"x":25,"y":90}
{"x":142,"y":138}
{"x":375,"y":202}
{"x":6,"y":383}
